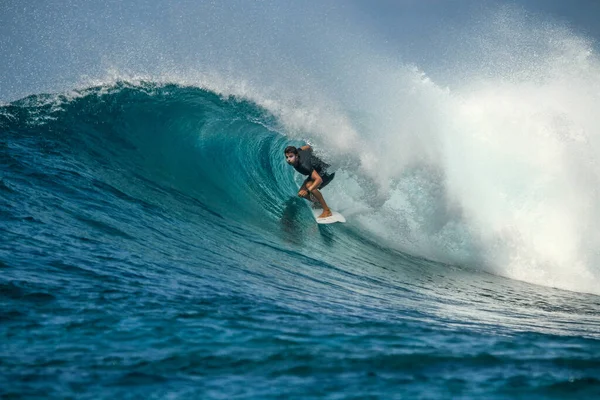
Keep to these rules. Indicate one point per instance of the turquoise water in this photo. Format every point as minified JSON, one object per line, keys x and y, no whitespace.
{"x":153,"y":247}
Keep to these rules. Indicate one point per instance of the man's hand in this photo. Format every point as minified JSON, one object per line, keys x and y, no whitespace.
{"x":303,"y":193}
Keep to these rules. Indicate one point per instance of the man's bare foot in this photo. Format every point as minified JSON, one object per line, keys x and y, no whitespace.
{"x":325,"y":214}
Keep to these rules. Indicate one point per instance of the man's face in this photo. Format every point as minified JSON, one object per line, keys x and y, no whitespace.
{"x":291,"y":158}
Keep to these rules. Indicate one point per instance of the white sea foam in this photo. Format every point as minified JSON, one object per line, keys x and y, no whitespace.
{"x":498,"y":171}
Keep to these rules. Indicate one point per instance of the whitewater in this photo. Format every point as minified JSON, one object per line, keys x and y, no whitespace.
{"x":153,"y":245}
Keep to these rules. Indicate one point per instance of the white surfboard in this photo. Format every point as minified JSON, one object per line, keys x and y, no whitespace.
{"x":335,"y":217}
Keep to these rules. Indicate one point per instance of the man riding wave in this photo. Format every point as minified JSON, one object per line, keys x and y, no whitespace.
{"x":305,"y":162}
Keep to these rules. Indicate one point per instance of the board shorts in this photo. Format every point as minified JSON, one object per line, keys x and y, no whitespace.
{"x":326,"y":179}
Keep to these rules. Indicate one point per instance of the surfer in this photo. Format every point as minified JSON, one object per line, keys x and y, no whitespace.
{"x":305,"y":162}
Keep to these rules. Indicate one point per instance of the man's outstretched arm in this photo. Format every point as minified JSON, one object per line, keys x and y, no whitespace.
{"x":306,"y":147}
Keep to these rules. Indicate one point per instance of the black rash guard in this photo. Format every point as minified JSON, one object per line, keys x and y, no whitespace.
{"x":307,"y":163}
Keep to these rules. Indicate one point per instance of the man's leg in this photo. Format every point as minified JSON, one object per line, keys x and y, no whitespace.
{"x":316,"y":194}
{"x":303,"y":192}
{"x":326,"y":211}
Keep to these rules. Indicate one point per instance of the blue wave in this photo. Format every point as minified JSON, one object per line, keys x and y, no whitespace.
{"x":224,"y":153}
{"x":152,"y":234}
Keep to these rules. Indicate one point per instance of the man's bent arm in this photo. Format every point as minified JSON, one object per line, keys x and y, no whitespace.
{"x":306,"y":147}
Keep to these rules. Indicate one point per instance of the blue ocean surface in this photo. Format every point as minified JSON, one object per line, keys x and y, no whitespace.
{"x":153,"y":246}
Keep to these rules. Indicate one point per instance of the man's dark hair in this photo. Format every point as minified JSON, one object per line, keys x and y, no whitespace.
{"x":290,"y":149}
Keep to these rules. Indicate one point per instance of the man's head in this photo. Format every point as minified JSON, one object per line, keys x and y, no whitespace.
{"x":291,"y":155}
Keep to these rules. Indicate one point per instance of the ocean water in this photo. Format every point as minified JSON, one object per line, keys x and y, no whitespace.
{"x":152,"y":244}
